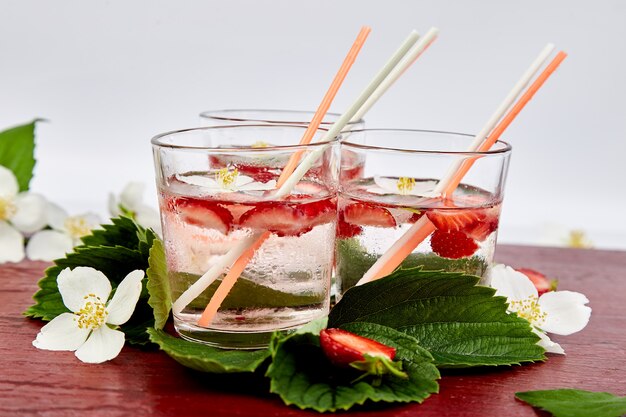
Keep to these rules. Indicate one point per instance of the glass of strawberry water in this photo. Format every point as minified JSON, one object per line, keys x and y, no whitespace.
{"x":403,"y":170}
{"x":217,"y":188}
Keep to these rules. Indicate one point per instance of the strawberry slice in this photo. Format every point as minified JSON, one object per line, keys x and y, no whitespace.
{"x":281,"y":219}
{"x":345,"y":349}
{"x":342,"y":347}
{"x":363,"y":214}
{"x":203,"y":213}
{"x":319,"y":212}
{"x":452,"y":244}
{"x":346,"y":230}
{"x":453,"y":220}
{"x":480,"y":230}
{"x":541,"y":282}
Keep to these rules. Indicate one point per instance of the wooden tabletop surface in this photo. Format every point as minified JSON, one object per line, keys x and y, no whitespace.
{"x":137,"y":383}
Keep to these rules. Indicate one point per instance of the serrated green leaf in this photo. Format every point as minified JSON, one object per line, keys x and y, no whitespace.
{"x":146,"y":239}
{"x":302,"y":376}
{"x":159,"y":285}
{"x":353,"y":261}
{"x":206,"y":358}
{"x":575,"y":403}
{"x":459,"y":323}
{"x":122,"y":232}
{"x":17,"y":152}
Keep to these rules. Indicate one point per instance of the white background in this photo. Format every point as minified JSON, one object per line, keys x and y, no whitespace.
{"x":108,"y":75}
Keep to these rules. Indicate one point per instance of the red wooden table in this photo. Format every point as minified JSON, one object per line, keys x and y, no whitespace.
{"x":136,"y":383}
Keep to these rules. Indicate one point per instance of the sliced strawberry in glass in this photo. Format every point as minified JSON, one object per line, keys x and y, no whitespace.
{"x":346,"y":230}
{"x":455,"y":219}
{"x":281,"y":219}
{"x":364,"y":214}
{"x":203,"y":213}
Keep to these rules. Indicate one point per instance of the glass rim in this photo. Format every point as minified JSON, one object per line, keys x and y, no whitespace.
{"x":156,"y":141}
{"x":506,"y":149}
{"x":207,"y":114}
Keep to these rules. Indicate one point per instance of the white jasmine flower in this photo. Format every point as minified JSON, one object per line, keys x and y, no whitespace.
{"x":558,"y":312}
{"x":20,"y":214}
{"x":48,"y":245}
{"x":403,"y":186}
{"x":89,"y":329}
{"x":227,"y":181}
{"x":131,"y":201}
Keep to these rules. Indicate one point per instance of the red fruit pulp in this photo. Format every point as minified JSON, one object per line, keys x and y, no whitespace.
{"x":342,"y":347}
{"x":290,"y":217}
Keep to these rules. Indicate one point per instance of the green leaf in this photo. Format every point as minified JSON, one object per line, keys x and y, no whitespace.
{"x":575,"y":403}
{"x":302,"y":376}
{"x":159,"y":285}
{"x":353,"y":262}
{"x":461,"y":324}
{"x":122,"y":232}
{"x":17,"y":152}
{"x":113,"y":261}
{"x":206,"y":358}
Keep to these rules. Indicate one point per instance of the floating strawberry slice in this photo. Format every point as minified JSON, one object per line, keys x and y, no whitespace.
{"x":346,"y":230}
{"x":203,"y":213}
{"x":363,"y":214}
{"x":452,"y":244}
{"x":281,"y":219}
{"x":453,"y":220}
{"x":319,"y":212}
{"x":342,"y":347}
{"x":480,"y":230}
{"x":541,"y":282}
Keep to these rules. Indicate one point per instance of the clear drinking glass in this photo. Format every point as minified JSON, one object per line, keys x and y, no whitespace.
{"x":217,"y":192}
{"x":403,"y":178}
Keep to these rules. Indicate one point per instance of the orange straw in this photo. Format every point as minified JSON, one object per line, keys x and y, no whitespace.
{"x":506,"y":121}
{"x":412,"y":239}
{"x":240,"y":264}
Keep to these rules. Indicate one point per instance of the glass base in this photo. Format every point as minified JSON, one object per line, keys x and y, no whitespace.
{"x":242,"y":340}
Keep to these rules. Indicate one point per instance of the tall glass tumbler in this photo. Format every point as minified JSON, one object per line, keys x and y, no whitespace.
{"x":403,"y":178}
{"x":217,"y":192}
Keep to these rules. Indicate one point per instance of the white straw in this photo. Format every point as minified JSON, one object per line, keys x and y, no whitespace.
{"x":497,"y":115}
{"x":407,"y":61}
{"x":398,"y":62}
{"x":233,"y":254}
{"x":374,"y":270}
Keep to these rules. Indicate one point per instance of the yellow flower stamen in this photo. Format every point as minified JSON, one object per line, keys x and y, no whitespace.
{"x":226,"y":179}
{"x":7,"y":208}
{"x":77,"y":227}
{"x":405,"y":185}
{"x":93,"y":315}
{"x":578,"y":239}
{"x":260,"y":144}
{"x":530,"y":310}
